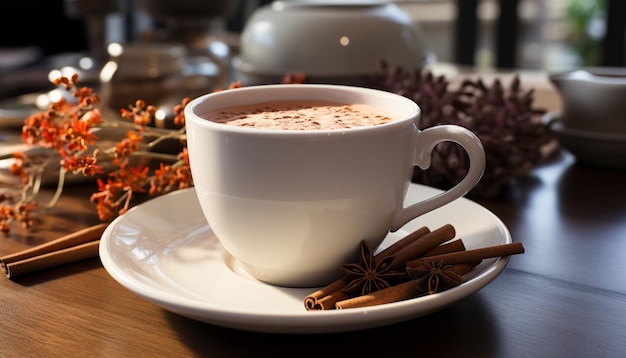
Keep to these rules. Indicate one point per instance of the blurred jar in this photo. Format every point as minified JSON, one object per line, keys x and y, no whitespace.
{"x":146,"y":71}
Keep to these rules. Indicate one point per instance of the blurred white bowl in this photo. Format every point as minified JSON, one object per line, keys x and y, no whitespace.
{"x":329,"y":41}
{"x":593,"y":98}
{"x":589,"y":147}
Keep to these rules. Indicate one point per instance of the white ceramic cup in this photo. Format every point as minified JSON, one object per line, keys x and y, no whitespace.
{"x":292,"y":206}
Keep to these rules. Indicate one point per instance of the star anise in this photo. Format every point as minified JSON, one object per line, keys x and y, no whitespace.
{"x":434,"y":277}
{"x":371,"y":275}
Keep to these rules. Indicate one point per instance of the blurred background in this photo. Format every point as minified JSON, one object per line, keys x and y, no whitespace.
{"x":545,"y":35}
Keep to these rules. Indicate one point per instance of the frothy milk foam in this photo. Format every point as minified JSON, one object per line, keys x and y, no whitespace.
{"x":300,"y":115}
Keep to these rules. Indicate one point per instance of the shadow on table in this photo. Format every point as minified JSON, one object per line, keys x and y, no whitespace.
{"x":472,"y":333}
{"x":601,"y":188}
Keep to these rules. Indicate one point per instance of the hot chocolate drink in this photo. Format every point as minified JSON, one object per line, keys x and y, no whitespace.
{"x":300,"y":115}
{"x":291,"y":206}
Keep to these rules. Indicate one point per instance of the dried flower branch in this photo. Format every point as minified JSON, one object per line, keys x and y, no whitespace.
{"x":124,"y":167}
{"x":503,"y":118}
{"x":69,"y":130}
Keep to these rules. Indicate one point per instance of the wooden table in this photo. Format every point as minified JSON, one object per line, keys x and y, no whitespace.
{"x":565,"y":297}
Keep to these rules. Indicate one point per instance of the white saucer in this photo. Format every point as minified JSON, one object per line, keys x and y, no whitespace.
{"x":164,"y":251}
{"x":602,"y":149}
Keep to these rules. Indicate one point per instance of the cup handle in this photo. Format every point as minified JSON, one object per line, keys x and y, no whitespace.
{"x":427,"y":140}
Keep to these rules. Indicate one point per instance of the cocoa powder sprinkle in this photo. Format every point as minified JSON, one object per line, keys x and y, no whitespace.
{"x":300,"y":115}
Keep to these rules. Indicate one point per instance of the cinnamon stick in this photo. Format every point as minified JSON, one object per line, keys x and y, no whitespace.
{"x":315,"y":301}
{"x":452,"y":246}
{"x":418,"y":247}
{"x":462,"y":261}
{"x":405,"y":241}
{"x":400,"y":292}
{"x":476,"y":254}
{"x":326,"y":297}
{"x":69,"y":248}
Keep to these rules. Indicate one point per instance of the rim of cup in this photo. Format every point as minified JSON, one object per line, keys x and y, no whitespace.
{"x":401,"y":108}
